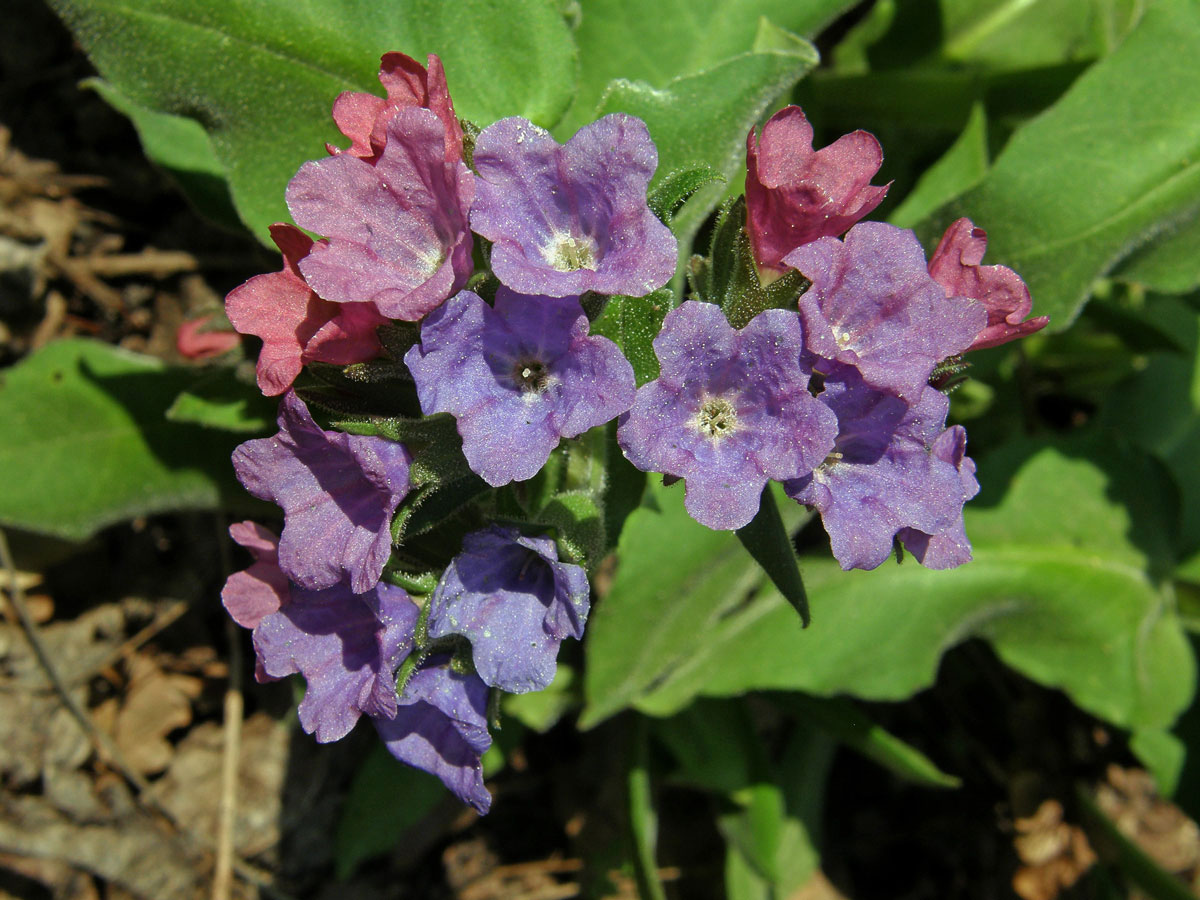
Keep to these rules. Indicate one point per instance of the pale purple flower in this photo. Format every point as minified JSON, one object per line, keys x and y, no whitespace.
{"x":874,"y":306}
{"x":440,"y":727}
{"x":518,"y":378}
{"x":955,"y":265}
{"x":397,"y":229}
{"x":795,"y":195}
{"x":338,"y":493}
{"x":729,"y":412}
{"x":894,"y":468}
{"x":949,"y":547}
{"x":346,"y":645}
{"x":570,"y":218}
{"x":515,"y":602}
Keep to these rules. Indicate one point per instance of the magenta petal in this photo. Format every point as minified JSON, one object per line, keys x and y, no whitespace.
{"x":795,"y":195}
{"x":346,"y":645}
{"x":397,"y":230}
{"x":297,"y":326}
{"x":567,"y":219}
{"x":955,"y":265}
{"x":729,"y":411}
{"x":873,"y":305}
{"x":262,"y":588}
{"x":338,"y":493}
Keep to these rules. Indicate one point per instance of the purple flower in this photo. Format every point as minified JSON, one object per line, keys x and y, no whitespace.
{"x":515,"y":602}
{"x":346,"y":645}
{"x":795,"y":195}
{"x":949,"y":547}
{"x":893,"y":469}
{"x":397,"y":228}
{"x":338,"y":493}
{"x":873,"y":305}
{"x":440,"y":727}
{"x":570,"y":218}
{"x":729,"y":412}
{"x":518,"y":378}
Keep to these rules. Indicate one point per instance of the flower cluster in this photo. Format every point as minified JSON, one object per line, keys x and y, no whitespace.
{"x":493,"y":246}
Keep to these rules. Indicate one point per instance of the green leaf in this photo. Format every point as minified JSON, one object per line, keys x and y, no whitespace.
{"x":702,"y":119}
{"x":541,"y":710}
{"x":261,"y":78}
{"x":1067,"y":199}
{"x":386,"y":799}
{"x":1169,"y":262}
{"x":675,"y":580}
{"x":643,"y":817}
{"x":86,"y":442}
{"x":632,"y":323}
{"x":1163,"y":754}
{"x":1060,"y":587}
{"x":961,"y":168}
{"x":1003,"y":34}
{"x":847,"y":723}
{"x":675,"y":188}
{"x":658,"y":41}
{"x":579,"y":526}
{"x":769,"y":542}
{"x":222,"y":400}
{"x":182,"y":147}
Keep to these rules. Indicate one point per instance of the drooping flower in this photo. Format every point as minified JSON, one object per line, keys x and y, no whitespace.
{"x":518,"y":378}
{"x":346,"y":645}
{"x":729,"y":412}
{"x":338,"y":493}
{"x":297,"y":326}
{"x":515,"y":602}
{"x":397,"y":229}
{"x":261,"y":589}
{"x":895,"y":467}
{"x":795,"y":195}
{"x":364,"y":117}
{"x":440,"y":727}
{"x":949,"y":547}
{"x":873,"y":305}
{"x":955,"y":265}
{"x":571,"y":218}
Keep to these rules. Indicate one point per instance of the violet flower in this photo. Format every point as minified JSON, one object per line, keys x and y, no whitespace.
{"x":795,"y":195}
{"x":873,"y":305}
{"x":729,"y":412}
{"x":338,"y":493}
{"x":346,"y":645}
{"x":297,"y":326}
{"x":515,"y":602}
{"x":955,"y":266}
{"x":571,"y":218}
{"x":894,"y":468}
{"x":397,"y":229}
{"x":440,"y":727}
{"x":364,"y":117}
{"x":518,"y":378}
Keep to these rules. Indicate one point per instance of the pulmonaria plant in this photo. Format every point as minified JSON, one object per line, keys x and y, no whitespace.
{"x":447,"y":415}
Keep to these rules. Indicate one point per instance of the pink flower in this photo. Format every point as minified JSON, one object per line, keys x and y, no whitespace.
{"x":795,"y":195}
{"x":297,"y":326}
{"x":194,"y":341}
{"x":955,"y":266}
{"x":364,"y":117}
